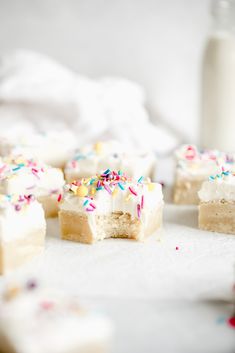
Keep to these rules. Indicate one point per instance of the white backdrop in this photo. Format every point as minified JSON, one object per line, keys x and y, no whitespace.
{"x":157,"y":43}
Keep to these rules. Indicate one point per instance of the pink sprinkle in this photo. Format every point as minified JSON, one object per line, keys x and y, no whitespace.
{"x":107,"y":188}
{"x":138,"y":211}
{"x":142,"y":201}
{"x":89,"y":209}
{"x":34,"y":171}
{"x":98,"y":183}
{"x":2,"y":168}
{"x":59,"y":198}
{"x":92,"y":205}
{"x":74,"y":164}
{"x":132,"y":191}
{"x":46,"y":305}
{"x":191,"y":153}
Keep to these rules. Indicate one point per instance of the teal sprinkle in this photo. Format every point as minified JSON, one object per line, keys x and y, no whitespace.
{"x":140,"y":179}
{"x":119,"y":172}
{"x":21,"y":164}
{"x":99,"y":188}
{"x":79,"y":157}
{"x":121,"y":186}
{"x":211,"y":178}
{"x":92,"y":181}
{"x":107,"y":171}
{"x":86,"y":202}
{"x":225,"y":173}
{"x":8,"y":197}
{"x":16,"y":168}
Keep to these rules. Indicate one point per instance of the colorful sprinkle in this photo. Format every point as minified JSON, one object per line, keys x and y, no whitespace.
{"x":231,"y":322}
{"x":132,"y":191}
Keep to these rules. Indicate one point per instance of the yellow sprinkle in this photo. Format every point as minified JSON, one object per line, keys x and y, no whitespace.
{"x":151,"y":186}
{"x":2,"y":197}
{"x":98,"y":147}
{"x":11,"y":293}
{"x":114,"y":193}
{"x":128,"y":198}
{"x":12,"y":176}
{"x":19,"y":160}
{"x":93,"y":191}
{"x":82,"y":191}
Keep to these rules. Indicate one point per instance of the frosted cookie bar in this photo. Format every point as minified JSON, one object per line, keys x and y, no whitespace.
{"x":193,"y":167}
{"x":40,"y":320}
{"x":110,"y":205}
{"x":19,"y":175}
{"x":217,"y":203}
{"x":22,"y":230}
{"x":92,"y":159}
{"x":52,"y":147}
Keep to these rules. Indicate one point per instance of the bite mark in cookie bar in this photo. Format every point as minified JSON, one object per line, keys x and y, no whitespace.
{"x":91,"y":159}
{"x":217,"y":203}
{"x":22,"y":230}
{"x":193,"y":168}
{"x":36,"y":319}
{"x":110,"y":205}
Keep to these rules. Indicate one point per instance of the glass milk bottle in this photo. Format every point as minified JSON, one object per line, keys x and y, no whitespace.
{"x":218,"y":81}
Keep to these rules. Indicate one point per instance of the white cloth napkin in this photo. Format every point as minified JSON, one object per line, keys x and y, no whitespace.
{"x":37,"y":91}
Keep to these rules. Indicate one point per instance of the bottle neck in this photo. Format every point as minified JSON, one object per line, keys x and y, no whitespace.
{"x":223,"y":13}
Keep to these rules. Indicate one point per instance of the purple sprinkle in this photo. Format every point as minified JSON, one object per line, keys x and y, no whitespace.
{"x":89,"y":209}
{"x":17,"y":207}
{"x":31,"y":284}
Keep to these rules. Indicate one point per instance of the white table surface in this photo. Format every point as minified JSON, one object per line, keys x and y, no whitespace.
{"x":159,"y":298}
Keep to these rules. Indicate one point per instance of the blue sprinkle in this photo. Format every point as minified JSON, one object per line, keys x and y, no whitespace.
{"x":86,"y":202}
{"x":92,"y":181}
{"x":16,"y":168}
{"x":121,"y":186}
{"x":79,"y":157}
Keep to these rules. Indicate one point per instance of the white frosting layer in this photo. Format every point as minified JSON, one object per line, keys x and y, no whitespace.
{"x":93,"y":159}
{"x":123,"y":201}
{"x":38,"y":179}
{"x":53,"y":148}
{"x":220,"y":188}
{"x":43,"y":321}
{"x":15,"y":224}
{"x":192,"y":163}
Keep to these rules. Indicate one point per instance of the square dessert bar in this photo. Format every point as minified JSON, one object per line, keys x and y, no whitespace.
{"x":20,"y":175}
{"x":35,"y":319}
{"x":217,"y":204}
{"x":22,"y":230}
{"x":110,"y":205}
{"x":53,"y":147}
{"x":92,"y":159}
{"x":193,"y":167}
